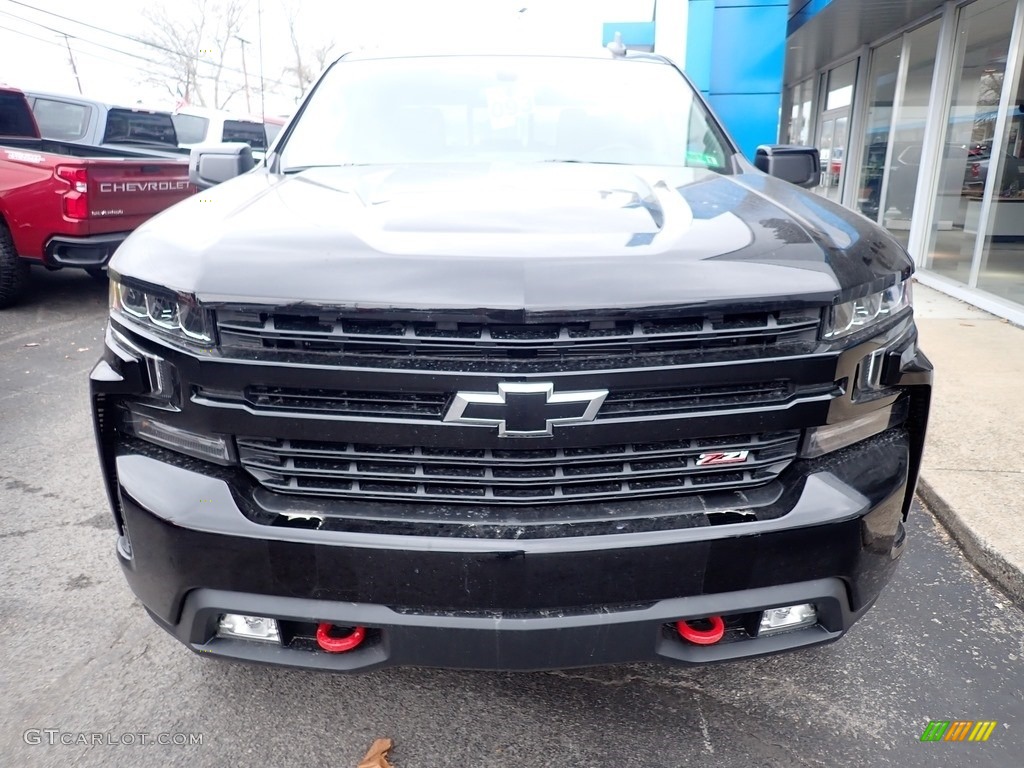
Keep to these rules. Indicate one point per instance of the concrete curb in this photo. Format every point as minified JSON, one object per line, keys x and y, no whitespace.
{"x":986,"y":559}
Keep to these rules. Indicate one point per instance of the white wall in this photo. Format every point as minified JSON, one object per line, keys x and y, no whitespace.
{"x":670,"y":29}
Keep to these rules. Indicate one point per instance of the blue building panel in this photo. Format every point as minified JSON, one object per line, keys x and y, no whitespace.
{"x":735,"y":54}
{"x":748,"y":48}
{"x":750,"y":118}
{"x":700,"y":23}
{"x":806,"y":12}
{"x":634,"y":33}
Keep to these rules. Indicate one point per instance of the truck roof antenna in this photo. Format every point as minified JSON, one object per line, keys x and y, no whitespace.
{"x":616,"y":46}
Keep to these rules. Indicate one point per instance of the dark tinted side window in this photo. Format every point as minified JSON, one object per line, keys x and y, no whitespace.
{"x":128,"y":126}
{"x":61,"y":120}
{"x":251,"y":133}
{"x":15,"y":116}
{"x":191,"y":129}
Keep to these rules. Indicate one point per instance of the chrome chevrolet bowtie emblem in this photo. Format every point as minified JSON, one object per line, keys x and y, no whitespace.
{"x":525,"y":410}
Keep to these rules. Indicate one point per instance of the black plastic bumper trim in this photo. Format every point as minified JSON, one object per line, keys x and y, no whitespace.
{"x":91,"y":251}
{"x":521,"y":644}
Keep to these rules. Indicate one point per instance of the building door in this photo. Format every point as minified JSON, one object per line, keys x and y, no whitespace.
{"x":834,"y":127}
{"x":832,"y":140}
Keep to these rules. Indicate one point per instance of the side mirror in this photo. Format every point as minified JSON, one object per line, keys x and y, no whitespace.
{"x":795,"y":164}
{"x":214,"y":163}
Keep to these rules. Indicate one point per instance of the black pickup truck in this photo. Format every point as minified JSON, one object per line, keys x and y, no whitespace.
{"x":508,"y":362}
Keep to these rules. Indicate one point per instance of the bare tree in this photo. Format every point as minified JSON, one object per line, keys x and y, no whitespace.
{"x":229,"y":17}
{"x":308,"y":63}
{"x":179,"y":40}
{"x":194,"y":40}
{"x":990,"y":88}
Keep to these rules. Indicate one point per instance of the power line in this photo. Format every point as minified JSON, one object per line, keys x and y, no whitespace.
{"x":83,"y":53}
{"x":82,"y":39}
{"x":123,"y":36}
{"x":165,"y":75}
{"x":141,"y":70}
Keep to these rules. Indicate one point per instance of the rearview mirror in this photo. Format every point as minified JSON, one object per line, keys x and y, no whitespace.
{"x":212,"y":164}
{"x":789,"y":162}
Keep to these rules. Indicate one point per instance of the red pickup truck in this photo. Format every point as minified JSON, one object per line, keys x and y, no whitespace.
{"x":70,"y":205}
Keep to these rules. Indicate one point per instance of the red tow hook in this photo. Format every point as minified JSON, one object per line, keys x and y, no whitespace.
{"x":703,"y":636}
{"x":339,"y":644}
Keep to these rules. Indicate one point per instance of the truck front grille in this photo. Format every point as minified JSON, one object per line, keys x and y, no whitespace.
{"x":514,"y":475}
{"x":431,"y":406}
{"x":610,"y":341}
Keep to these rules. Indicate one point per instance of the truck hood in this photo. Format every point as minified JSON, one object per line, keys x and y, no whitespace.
{"x":533,"y":237}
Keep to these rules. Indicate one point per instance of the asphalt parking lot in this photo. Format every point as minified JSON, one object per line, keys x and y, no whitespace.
{"x":81,"y":657}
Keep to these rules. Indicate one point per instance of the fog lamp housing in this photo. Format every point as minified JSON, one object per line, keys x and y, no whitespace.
{"x":775,"y":621}
{"x":243,"y":627}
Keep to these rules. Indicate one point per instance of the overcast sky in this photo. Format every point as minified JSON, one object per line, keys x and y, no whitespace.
{"x":114,"y":68}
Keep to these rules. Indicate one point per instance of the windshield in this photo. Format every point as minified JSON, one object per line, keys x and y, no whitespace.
{"x":504,"y":109}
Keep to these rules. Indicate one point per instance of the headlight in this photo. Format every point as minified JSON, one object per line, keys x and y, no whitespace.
{"x":854,"y":316}
{"x":177,"y":315}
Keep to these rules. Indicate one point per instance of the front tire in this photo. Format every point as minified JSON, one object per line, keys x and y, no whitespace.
{"x":13,"y":270}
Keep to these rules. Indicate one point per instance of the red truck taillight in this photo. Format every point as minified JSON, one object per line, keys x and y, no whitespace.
{"x":76,"y":200}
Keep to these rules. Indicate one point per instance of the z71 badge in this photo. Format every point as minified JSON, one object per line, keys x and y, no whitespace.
{"x":716,"y":459}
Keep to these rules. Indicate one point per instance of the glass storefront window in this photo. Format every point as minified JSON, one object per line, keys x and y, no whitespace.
{"x":974,"y":170}
{"x":983,"y":42}
{"x":1000,"y":164}
{"x":900,"y":190}
{"x":885,"y":67}
{"x":840,"y":86}
{"x":797,"y":129}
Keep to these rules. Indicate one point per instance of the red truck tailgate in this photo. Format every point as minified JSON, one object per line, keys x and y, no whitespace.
{"x":130,"y":191}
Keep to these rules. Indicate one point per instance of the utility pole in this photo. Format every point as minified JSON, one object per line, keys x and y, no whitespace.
{"x":245,"y":73}
{"x":259,"y":22}
{"x":71,"y":59}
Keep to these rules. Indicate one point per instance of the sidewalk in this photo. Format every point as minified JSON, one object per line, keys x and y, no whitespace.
{"x":973,"y":474}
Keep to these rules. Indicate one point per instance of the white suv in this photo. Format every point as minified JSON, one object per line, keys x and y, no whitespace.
{"x":197,"y":125}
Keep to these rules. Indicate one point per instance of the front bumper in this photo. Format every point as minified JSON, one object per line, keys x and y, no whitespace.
{"x":195,"y":542}
{"x":190,"y":554}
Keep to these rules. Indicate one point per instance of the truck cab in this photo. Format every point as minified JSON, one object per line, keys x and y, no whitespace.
{"x":94,"y":123}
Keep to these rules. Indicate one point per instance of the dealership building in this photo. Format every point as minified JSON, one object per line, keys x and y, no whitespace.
{"x":917,"y":107}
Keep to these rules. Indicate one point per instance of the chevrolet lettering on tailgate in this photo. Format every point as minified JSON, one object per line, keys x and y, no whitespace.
{"x":144,"y":186}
